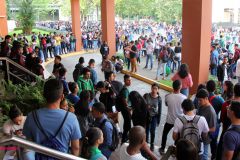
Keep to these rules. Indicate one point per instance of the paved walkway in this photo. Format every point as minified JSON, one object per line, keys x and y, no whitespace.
{"x":141,"y":87}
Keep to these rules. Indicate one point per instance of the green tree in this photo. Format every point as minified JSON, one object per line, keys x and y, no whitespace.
{"x":26,"y":15}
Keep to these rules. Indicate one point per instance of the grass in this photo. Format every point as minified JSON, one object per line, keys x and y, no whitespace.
{"x":166,"y":82}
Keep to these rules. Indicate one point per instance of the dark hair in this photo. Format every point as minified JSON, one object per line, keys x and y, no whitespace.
{"x":81,"y":60}
{"x":108,"y":74}
{"x":229,"y":91}
{"x":91,"y":61}
{"x":183,"y":71}
{"x":235,"y":107}
{"x":62,"y":71}
{"x":82,"y":106}
{"x":211,"y":86}
{"x":186,"y":150}
{"x":72,"y":86}
{"x":237,"y":90}
{"x":58,"y":57}
{"x":101,"y":84}
{"x":37,"y":60}
{"x":14,"y":112}
{"x":53,"y":90}
{"x":176,"y":85}
{"x":90,"y":139}
{"x":126,"y":76}
{"x":201,"y":86}
{"x":187,"y":105}
{"x":99,"y":106}
{"x":155,"y":85}
{"x":8,"y":37}
{"x":202,"y":93}
{"x":85,"y":70}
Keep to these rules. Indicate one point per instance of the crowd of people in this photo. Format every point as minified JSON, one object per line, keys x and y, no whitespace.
{"x":83,"y":115}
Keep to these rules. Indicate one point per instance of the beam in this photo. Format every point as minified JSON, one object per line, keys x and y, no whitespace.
{"x":76,"y":23}
{"x":3,"y":18}
{"x":196,"y":25}
{"x":108,"y":24}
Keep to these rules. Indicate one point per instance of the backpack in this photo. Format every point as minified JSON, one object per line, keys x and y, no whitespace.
{"x":50,"y":141}
{"x":236,"y":156}
{"x":76,"y":73}
{"x":164,"y":56}
{"x":190,"y":131}
{"x":115,"y":134}
{"x":119,"y":99}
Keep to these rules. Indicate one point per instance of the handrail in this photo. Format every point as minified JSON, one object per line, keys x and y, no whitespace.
{"x":20,"y":67}
{"x":13,"y":140}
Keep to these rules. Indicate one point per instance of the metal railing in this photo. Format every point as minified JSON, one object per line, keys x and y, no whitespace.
{"x":23,"y":143}
{"x":12,"y":66}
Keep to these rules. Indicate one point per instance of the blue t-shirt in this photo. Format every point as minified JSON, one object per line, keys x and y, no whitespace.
{"x":73,"y":99}
{"x":231,"y":140}
{"x":51,"y":119}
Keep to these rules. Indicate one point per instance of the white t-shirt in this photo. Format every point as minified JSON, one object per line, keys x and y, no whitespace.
{"x":202,"y":126}
{"x":9,"y":127}
{"x":238,"y":68}
{"x":125,"y":156}
{"x":173,"y":102}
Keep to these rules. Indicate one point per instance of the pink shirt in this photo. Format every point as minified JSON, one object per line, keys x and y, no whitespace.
{"x":186,"y":82}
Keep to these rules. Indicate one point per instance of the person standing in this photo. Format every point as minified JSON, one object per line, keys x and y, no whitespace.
{"x":123,"y":105}
{"x":214,"y":60}
{"x":231,"y":139}
{"x":238,"y":70}
{"x":60,"y":124}
{"x":149,"y":50}
{"x":206,"y":110}
{"x":162,"y":63}
{"x":154,"y":103}
{"x":185,"y":77}
{"x":133,"y":56}
{"x":173,"y":102}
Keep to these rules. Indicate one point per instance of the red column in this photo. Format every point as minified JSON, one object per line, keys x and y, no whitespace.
{"x":108,"y":24}
{"x":76,"y":24}
{"x":196,"y":23}
{"x":3,"y":18}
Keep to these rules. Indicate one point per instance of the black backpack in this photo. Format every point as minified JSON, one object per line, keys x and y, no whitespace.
{"x":50,"y":141}
{"x":76,"y":73}
{"x":115,"y":134}
{"x":119,"y":99}
{"x":190,"y":131}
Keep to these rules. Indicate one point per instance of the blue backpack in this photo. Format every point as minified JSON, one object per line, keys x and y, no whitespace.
{"x":50,"y":141}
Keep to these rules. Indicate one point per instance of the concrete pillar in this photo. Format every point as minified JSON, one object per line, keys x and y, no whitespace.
{"x":76,"y":24}
{"x":196,"y":25}
{"x":3,"y":19}
{"x":108,"y":24}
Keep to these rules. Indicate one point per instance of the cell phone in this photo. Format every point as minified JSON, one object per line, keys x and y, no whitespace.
{"x":114,"y":109}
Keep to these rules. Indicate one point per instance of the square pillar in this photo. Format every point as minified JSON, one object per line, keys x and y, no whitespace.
{"x":76,"y":23}
{"x":196,"y":28}
{"x":108,"y":24}
{"x":3,"y":18}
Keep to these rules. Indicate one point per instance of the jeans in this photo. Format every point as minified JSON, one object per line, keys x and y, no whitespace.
{"x":205,"y":152}
{"x":56,"y":50}
{"x":95,"y":44}
{"x":85,"y":44}
{"x":45,"y":53}
{"x":127,"y":60}
{"x":161,"y":67}
{"x":214,"y":71}
{"x":149,"y":57}
{"x":238,"y":79}
{"x":185,"y":91}
{"x":49,"y":49}
{"x":72,"y":46}
{"x":166,"y":129}
{"x":151,"y":127}
{"x":126,"y":124}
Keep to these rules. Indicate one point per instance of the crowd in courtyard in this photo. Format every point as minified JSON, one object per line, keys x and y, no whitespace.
{"x":82,"y":117}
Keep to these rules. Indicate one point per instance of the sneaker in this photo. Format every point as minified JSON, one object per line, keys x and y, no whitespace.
{"x":161,"y":151}
{"x":152,"y":147}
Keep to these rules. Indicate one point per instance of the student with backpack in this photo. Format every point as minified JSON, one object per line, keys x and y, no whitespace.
{"x":190,"y":126}
{"x":162,"y":63}
{"x":231,"y":139}
{"x":110,"y":133}
{"x":51,"y":126}
{"x":78,"y":69}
